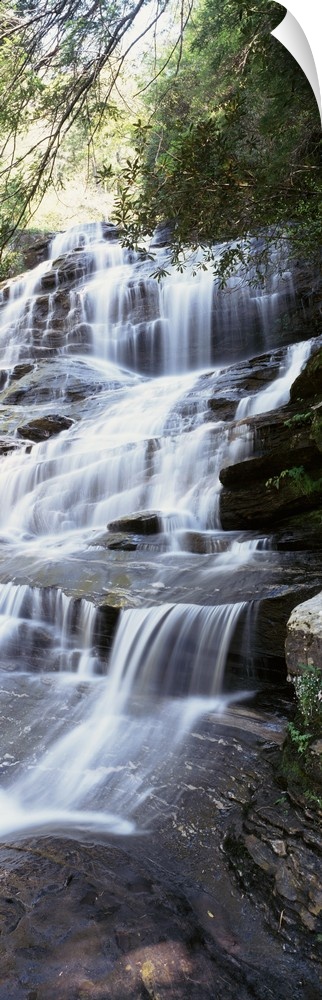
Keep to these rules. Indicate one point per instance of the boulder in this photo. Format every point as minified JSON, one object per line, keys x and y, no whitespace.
{"x":303,"y":645}
{"x":142,"y":522}
{"x":44,"y":427}
{"x":116,"y":541}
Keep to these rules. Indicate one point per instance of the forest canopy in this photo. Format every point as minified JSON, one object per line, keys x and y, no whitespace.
{"x":219,"y":134}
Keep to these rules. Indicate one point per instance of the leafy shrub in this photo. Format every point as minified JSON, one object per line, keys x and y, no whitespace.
{"x":308,"y":690}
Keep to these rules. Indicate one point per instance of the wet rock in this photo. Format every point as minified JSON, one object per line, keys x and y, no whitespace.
{"x":92,"y":913}
{"x":223,"y":409}
{"x":144,"y":522}
{"x":19,"y":371}
{"x":284,"y":474}
{"x":7,"y":445}
{"x":54,"y":338}
{"x":286,"y":884}
{"x":262,"y":503}
{"x":189,"y":913}
{"x":117,"y":541}
{"x":49,"y":280}
{"x":61,"y":302}
{"x":72,"y":267}
{"x":80,"y":337}
{"x":261,"y":853}
{"x":202,"y":542}
{"x":40,"y":309}
{"x":64,"y":379}
{"x":308,"y":385}
{"x":106,"y":622}
{"x":44,"y":427}
{"x":295,"y":534}
{"x":263,"y":490}
{"x":270,"y":625}
{"x":110,"y":231}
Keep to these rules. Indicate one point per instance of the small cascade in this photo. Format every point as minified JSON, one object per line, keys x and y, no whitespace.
{"x":100,"y":736}
{"x":17,"y":316}
{"x":182,"y":322}
{"x":44,"y":629}
{"x":117,"y":311}
{"x":277,"y":393}
{"x":75,"y":238}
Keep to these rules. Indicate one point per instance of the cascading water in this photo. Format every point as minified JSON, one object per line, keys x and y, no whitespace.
{"x":92,"y":325}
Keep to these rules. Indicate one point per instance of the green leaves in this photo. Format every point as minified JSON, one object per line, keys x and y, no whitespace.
{"x":235,"y":142}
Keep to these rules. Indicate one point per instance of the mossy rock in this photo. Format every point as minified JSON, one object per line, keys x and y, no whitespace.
{"x":316,"y":428}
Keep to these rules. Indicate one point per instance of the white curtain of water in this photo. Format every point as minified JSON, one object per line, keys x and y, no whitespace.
{"x":106,"y":753}
{"x":277,"y":393}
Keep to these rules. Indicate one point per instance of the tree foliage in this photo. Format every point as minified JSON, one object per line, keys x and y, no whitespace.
{"x":228,"y":141}
{"x":53,"y":56}
{"x":231,"y":144}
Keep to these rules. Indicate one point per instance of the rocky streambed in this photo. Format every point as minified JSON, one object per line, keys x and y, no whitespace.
{"x":221,"y":896}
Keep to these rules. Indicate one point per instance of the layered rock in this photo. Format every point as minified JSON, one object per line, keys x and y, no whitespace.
{"x":284,"y":476}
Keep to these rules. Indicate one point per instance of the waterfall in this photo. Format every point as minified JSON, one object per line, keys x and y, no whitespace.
{"x":35,"y":622}
{"x":157,"y":652}
{"x":113,"y":639}
{"x":277,"y":393}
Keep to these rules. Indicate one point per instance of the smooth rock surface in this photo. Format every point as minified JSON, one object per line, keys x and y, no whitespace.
{"x":303,"y":644}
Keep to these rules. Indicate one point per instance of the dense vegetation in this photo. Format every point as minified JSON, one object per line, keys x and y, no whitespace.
{"x":59,"y":63}
{"x":232,"y":141}
{"x":228,"y":138}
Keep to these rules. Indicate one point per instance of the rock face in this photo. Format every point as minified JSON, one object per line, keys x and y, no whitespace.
{"x":284,"y":476}
{"x":303,"y":645}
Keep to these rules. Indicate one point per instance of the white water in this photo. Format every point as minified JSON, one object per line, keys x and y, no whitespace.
{"x":277,"y":393}
{"x":86,"y":732}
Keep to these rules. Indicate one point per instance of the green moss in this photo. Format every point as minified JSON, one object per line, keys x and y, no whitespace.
{"x":299,"y":419}
{"x":301,"y":483}
{"x":316,"y":428}
{"x":300,"y":767}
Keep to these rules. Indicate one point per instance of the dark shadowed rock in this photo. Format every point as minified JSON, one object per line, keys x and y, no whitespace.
{"x":267,"y":494}
{"x":142,"y":522}
{"x":284,"y":475}
{"x":270,"y":629}
{"x":44,"y":427}
{"x":117,"y":540}
{"x":106,"y":622}
{"x":19,"y":371}
{"x":49,"y":280}
{"x":7,"y":445}
{"x":309,"y":382}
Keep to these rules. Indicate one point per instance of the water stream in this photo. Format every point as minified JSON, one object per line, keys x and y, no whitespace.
{"x":132,"y":364}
